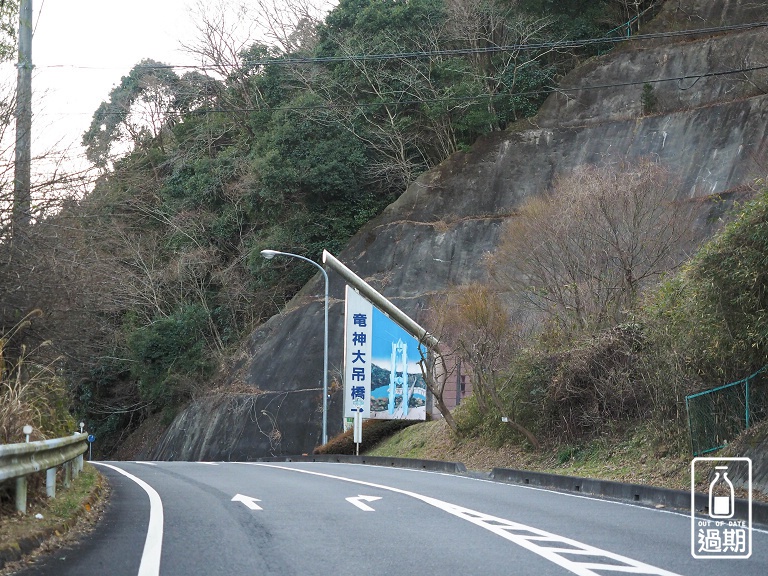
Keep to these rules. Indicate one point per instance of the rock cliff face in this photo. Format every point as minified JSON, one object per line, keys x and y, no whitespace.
{"x":709,"y":128}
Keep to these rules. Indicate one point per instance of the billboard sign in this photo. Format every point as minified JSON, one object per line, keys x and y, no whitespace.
{"x":381,"y":365}
{"x":358,"y":336}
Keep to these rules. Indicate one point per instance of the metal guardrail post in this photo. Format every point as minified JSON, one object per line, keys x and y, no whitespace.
{"x":50,"y":482}
{"x":17,"y":461}
{"x":21,"y":494}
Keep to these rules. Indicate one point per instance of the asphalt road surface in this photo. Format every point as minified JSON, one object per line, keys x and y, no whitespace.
{"x":193,"y":518}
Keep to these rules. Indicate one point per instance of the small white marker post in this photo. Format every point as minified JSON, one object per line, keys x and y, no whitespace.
{"x":358,"y":430}
{"x":21,"y":482}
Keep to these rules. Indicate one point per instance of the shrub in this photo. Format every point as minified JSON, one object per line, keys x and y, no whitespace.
{"x":708,"y":325}
{"x":166,"y":352}
{"x":594,"y":384}
{"x":713,"y":316}
{"x":374,"y":432}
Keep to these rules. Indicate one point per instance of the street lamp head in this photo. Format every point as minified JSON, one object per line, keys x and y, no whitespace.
{"x":271,"y":254}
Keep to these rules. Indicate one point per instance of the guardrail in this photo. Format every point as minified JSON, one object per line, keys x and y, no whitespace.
{"x":20,"y":460}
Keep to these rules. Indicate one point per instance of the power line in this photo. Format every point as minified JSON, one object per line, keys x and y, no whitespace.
{"x":485,"y":96}
{"x":468,"y":98}
{"x":558,"y":45}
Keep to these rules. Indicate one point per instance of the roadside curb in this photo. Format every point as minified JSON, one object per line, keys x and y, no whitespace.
{"x":16,"y":550}
{"x":640,"y":494}
{"x":636,"y":493}
{"x":413,"y":463}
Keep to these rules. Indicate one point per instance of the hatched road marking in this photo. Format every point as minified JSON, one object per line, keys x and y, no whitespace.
{"x":577,"y":557}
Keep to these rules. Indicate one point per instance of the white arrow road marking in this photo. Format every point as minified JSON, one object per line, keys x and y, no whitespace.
{"x":248,"y":501}
{"x":564,"y":553}
{"x":358,"y":501}
{"x":153,"y":545}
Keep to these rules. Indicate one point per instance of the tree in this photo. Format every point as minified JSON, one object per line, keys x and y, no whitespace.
{"x":292,"y":23}
{"x":437,"y":365}
{"x":9,"y":10}
{"x":476,"y":326}
{"x":582,"y":253}
{"x":421,"y":103}
{"x":648,"y":99}
{"x":138,"y":114}
{"x":486,"y":25}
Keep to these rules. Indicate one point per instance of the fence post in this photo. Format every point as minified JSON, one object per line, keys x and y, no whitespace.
{"x":21,"y":494}
{"x":746,"y":393}
{"x":50,"y":482}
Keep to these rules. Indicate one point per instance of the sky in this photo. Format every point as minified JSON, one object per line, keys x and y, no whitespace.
{"x":82,"y":48}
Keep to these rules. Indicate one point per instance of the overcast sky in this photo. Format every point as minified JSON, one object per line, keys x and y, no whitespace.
{"x":81,"y":49}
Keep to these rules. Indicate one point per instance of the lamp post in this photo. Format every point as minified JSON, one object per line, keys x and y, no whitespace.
{"x":269,"y":254}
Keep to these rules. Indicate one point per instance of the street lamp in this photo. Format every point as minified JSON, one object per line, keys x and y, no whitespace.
{"x":269,"y":254}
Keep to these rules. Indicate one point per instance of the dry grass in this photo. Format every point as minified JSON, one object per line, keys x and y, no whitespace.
{"x":71,"y":515}
{"x":17,"y":408}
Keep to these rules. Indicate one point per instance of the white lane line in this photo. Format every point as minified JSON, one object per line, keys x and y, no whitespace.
{"x":208,"y":463}
{"x":524,"y":537}
{"x":153,"y":545}
{"x":145,"y":463}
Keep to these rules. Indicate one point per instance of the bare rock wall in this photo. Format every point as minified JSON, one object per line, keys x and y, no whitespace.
{"x":710,"y":131}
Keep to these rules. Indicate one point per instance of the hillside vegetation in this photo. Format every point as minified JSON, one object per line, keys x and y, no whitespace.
{"x":610,"y":401}
{"x":149,"y":281}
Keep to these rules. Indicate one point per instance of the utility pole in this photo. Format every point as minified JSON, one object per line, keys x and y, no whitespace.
{"x":22,"y":197}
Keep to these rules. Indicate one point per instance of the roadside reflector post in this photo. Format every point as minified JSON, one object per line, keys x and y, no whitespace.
{"x":50,"y":482}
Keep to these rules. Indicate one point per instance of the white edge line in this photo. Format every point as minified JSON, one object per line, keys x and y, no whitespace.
{"x":153,"y":545}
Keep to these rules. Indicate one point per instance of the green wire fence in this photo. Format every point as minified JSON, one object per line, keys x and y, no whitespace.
{"x":718,"y":415}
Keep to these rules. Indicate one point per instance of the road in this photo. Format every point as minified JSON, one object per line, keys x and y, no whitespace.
{"x":187,"y":519}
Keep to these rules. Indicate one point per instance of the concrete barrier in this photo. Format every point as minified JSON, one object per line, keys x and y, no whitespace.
{"x":413,"y":463}
{"x":639,"y":493}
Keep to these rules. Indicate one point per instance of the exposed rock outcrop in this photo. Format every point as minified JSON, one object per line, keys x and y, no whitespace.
{"x":709,"y":128}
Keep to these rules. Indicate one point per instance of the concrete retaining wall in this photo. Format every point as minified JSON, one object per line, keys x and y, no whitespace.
{"x":648,"y":495}
{"x":413,"y":463}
